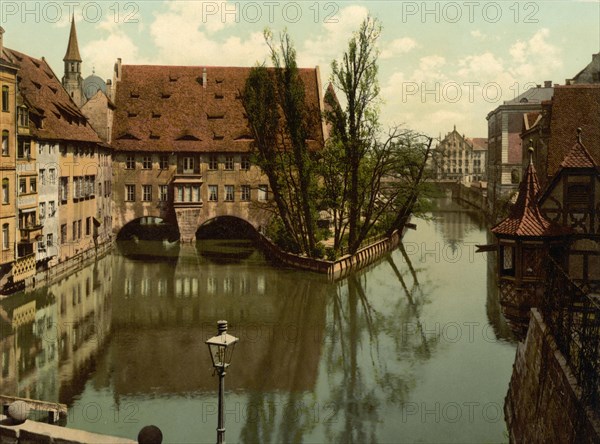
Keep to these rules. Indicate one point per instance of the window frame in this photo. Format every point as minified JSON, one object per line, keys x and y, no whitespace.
{"x":213,"y":191}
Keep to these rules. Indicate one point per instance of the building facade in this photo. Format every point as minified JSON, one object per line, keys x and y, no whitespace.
{"x":59,"y":162}
{"x":504,"y":162}
{"x":8,"y":171}
{"x":183,"y":148}
{"x":459,"y":158}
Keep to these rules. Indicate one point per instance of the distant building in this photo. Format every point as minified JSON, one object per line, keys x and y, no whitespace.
{"x":89,"y":94}
{"x":589,"y":74}
{"x":459,"y":158}
{"x":505,"y":123}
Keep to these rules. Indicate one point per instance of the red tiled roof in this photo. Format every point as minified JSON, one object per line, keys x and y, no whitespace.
{"x":573,"y":106}
{"x":479,"y":143}
{"x":525,"y":218}
{"x":54,"y":115}
{"x":578,"y":157}
{"x":167,"y":108}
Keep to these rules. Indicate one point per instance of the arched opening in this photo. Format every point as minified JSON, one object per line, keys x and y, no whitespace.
{"x":149,"y":228}
{"x":226,"y":239}
{"x":148,"y":238}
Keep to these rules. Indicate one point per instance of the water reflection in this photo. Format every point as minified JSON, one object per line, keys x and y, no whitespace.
{"x":51,"y":336}
{"x":354,"y":361}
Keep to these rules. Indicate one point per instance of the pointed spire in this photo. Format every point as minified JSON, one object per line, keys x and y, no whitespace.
{"x":72,"y":54}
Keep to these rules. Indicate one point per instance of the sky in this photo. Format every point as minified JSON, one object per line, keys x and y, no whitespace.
{"x":440,"y":63}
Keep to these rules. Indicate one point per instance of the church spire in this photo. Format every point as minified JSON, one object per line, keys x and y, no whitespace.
{"x":72,"y":54}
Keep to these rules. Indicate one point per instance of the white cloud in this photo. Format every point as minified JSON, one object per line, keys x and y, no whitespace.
{"x":101,"y":54}
{"x":477,"y":34}
{"x":332,"y":41}
{"x":397,"y":47}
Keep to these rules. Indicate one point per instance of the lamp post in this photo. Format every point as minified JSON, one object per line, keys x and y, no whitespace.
{"x":221,"y":348}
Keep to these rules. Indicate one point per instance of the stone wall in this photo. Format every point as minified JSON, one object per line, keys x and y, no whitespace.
{"x":543,"y":401}
{"x":32,"y":432}
{"x":341,"y":267}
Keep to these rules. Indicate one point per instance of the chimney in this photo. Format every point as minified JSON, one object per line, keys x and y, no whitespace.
{"x":547,"y":83}
{"x":117,"y":71}
{"x":1,"y":40}
{"x":204,"y":80}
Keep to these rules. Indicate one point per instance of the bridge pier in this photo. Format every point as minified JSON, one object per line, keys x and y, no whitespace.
{"x":188,"y":221}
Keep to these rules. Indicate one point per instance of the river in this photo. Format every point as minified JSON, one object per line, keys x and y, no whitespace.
{"x":412,"y":349}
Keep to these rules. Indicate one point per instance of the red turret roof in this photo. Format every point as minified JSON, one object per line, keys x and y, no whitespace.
{"x":578,"y":156}
{"x":525,"y":218}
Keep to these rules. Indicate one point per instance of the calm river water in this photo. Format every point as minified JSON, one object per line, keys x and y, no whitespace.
{"x":413,"y":349}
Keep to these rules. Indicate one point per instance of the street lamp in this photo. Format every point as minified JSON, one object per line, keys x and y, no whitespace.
{"x":221,"y":348}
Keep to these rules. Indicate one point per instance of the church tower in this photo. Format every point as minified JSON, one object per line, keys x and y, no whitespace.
{"x":72,"y":80}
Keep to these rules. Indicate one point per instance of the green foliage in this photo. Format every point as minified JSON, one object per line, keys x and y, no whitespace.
{"x":280,"y":120}
{"x":279,"y":235}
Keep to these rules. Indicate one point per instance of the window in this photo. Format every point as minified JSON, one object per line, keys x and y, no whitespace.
{"x":23,"y":116}
{"x":578,"y":194}
{"x":188,"y":165}
{"x":33,"y":185}
{"x":229,"y":190}
{"x":50,"y":240}
{"x":163,"y":193}
{"x":88,"y":226}
{"x":213,"y":193}
{"x":24,"y":149}
{"x":263,"y":192}
{"x":508,"y":266}
{"x":42,"y":176}
{"x":5,"y":191}
{"x":188,"y":193}
{"x":64,"y":189}
{"x":41,"y":246}
{"x":63,"y":234}
{"x":5,"y":143}
{"x":79,"y":229}
{"x":147,"y":193}
{"x":51,"y":208}
{"x":5,"y":99}
{"x":130,"y":162}
{"x":51,"y":176}
{"x":245,"y":163}
{"x":5,"y":238}
{"x":229,"y":162}
{"x":147,"y":162}
{"x":213,"y":163}
{"x":245,"y":192}
{"x":164,"y":162}
{"x":42,"y":210}
{"x":22,"y":185}
{"x":130,"y":193}
{"x":74,"y":230}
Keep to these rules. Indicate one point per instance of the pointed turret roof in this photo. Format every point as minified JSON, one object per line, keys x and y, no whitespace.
{"x":525,"y":218}
{"x":578,"y":156}
{"x":72,"y":53}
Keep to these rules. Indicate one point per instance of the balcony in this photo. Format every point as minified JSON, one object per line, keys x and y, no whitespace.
{"x":24,"y":267}
{"x":29,"y":231}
